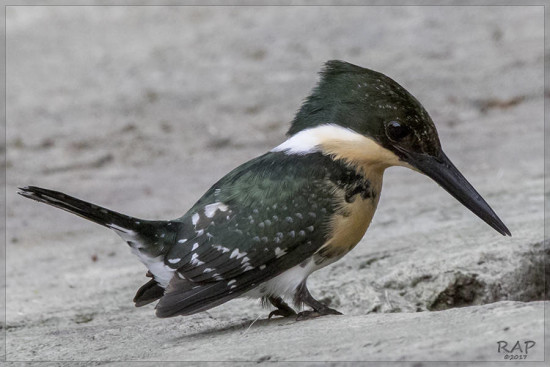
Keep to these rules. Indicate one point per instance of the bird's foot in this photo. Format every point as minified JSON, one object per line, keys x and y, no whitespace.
{"x":280,"y":312}
{"x":283,"y":309}
{"x":319,"y":309}
{"x":311,"y":314}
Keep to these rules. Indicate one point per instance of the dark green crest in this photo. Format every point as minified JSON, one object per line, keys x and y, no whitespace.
{"x":371,"y":104}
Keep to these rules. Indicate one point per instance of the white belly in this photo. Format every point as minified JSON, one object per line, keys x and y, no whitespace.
{"x":285,"y":284}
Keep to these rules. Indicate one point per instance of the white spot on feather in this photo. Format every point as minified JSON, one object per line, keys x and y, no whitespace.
{"x":195,"y":246}
{"x":195,"y":260}
{"x":210,"y":209}
{"x":174,"y":261}
{"x":279,"y":252}
{"x":121,"y":229}
{"x":221,"y":248}
{"x":237,"y":254}
{"x":195,"y":219}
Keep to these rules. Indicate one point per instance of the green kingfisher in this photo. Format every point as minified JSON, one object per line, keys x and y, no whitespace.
{"x":262,"y":229}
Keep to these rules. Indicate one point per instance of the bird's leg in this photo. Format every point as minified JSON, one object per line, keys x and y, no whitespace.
{"x":319,"y":309}
{"x":283,"y":309}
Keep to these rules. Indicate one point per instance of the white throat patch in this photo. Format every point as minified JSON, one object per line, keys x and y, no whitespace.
{"x":309,"y":140}
{"x":341,"y":143}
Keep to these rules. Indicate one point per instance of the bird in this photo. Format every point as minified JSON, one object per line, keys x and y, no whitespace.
{"x":263,"y":228}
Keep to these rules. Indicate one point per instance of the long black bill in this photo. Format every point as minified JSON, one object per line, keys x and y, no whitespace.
{"x":443,"y":171}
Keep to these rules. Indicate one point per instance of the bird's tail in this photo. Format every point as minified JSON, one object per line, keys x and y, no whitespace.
{"x":105,"y":217}
{"x":151,"y":237}
{"x":149,"y":240}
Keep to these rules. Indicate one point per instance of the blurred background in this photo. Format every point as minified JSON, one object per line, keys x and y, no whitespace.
{"x":142,"y":109}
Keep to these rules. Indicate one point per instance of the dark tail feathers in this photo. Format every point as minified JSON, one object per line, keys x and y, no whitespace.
{"x":149,"y":239}
{"x":97,"y":214}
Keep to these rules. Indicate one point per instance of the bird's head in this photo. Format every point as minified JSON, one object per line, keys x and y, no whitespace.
{"x":380,"y":122}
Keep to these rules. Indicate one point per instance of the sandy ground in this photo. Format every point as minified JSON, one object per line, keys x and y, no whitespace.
{"x":142,"y":109}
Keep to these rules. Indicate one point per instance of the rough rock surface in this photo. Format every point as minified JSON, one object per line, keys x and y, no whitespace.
{"x":141,"y":109}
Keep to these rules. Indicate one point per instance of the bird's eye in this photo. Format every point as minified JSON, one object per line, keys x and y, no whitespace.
{"x":397,"y":132}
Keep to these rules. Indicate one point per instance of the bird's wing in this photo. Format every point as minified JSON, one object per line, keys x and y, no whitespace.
{"x":261,"y":219}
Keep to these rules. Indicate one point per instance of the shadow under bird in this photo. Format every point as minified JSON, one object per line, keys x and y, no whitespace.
{"x":262,"y":229}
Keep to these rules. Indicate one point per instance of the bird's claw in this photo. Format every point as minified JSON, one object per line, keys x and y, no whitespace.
{"x":279,"y":312}
{"x":306,"y":315}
